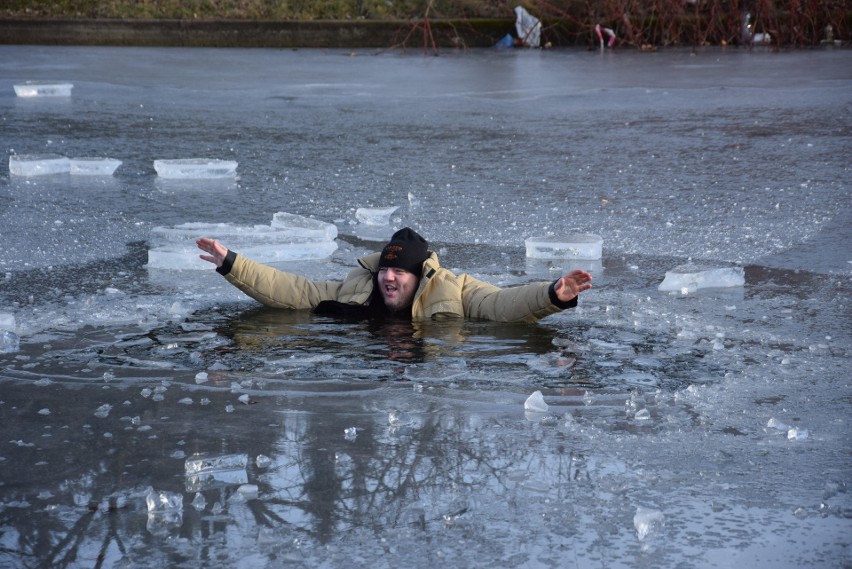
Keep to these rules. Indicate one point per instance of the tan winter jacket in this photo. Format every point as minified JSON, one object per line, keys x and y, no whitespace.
{"x":441,"y":293}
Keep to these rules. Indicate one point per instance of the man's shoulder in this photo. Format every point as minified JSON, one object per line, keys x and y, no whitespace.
{"x":370,"y":262}
{"x":441,"y":278}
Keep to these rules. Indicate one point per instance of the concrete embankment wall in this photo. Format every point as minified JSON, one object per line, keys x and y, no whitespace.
{"x":241,"y":33}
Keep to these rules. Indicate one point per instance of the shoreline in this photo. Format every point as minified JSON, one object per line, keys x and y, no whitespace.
{"x":426,"y":35}
{"x":251,"y":33}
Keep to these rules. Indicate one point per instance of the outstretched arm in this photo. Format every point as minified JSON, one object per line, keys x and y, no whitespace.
{"x":525,"y":303}
{"x":572,"y":284}
{"x":266,"y":284}
{"x":216,"y":252}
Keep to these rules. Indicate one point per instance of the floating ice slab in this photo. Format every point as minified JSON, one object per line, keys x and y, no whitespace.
{"x":299,"y":226}
{"x":374,"y":216}
{"x":689,"y":278}
{"x":7,"y":321}
{"x":195,"y":168}
{"x":161,"y":501}
{"x":9,"y":342}
{"x":180,"y":257}
{"x":535,"y":402}
{"x":94,"y":166}
{"x":38,"y":164}
{"x":248,"y":491}
{"x":553,"y":268}
{"x":174,"y":247}
{"x":648,"y":522}
{"x":43,"y":89}
{"x":369,"y":232}
{"x":204,"y":472}
{"x":578,"y":246}
{"x":199,"y":463}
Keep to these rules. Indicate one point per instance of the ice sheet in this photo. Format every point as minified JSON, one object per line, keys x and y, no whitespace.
{"x":674,"y":421}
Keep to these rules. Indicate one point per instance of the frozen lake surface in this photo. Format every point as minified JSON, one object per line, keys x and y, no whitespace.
{"x":701,"y":429}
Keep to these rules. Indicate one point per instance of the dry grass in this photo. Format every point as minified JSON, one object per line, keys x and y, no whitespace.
{"x":254,"y":9}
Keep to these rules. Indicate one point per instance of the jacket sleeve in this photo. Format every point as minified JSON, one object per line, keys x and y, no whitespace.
{"x":275,"y":288}
{"x":525,"y":303}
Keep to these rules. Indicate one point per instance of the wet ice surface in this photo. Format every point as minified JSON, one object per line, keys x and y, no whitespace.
{"x":705,"y":429}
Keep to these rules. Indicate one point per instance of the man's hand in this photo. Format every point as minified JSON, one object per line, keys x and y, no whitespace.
{"x":216,"y":251}
{"x":572,"y":284}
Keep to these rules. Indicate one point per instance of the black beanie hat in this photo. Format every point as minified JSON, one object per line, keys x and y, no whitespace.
{"x":406,"y":250}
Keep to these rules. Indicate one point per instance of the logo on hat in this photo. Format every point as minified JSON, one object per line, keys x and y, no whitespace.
{"x":392,"y":252}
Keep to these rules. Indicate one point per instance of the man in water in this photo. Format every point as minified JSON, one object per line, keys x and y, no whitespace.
{"x":403,"y":280}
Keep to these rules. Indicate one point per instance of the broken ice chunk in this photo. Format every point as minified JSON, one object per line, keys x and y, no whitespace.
{"x":689,"y":278}
{"x":797,"y":434}
{"x":647,"y":521}
{"x":38,"y":164}
{"x":374,"y":216}
{"x":203,"y":472}
{"x":585,"y":246}
{"x":177,"y":257}
{"x":199,"y":463}
{"x":43,"y":89}
{"x":195,"y":168}
{"x":642,"y":415}
{"x":305,"y":227}
{"x":174,"y":247}
{"x":102,"y":411}
{"x":7,"y":321}
{"x":550,"y":269}
{"x":94,"y":166}
{"x":165,"y":511}
{"x":9,"y":342}
{"x":162,"y":502}
{"x":535,"y":402}
{"x":199,"y":503}
{"x":248,"y":491}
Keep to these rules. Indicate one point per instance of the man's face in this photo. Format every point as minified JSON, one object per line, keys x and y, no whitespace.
{"x":397,"y":287}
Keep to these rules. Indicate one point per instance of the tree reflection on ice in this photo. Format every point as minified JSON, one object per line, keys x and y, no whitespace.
{"x":78,"y":492}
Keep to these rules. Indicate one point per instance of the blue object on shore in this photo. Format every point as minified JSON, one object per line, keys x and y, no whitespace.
{"x":507,"y":41}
